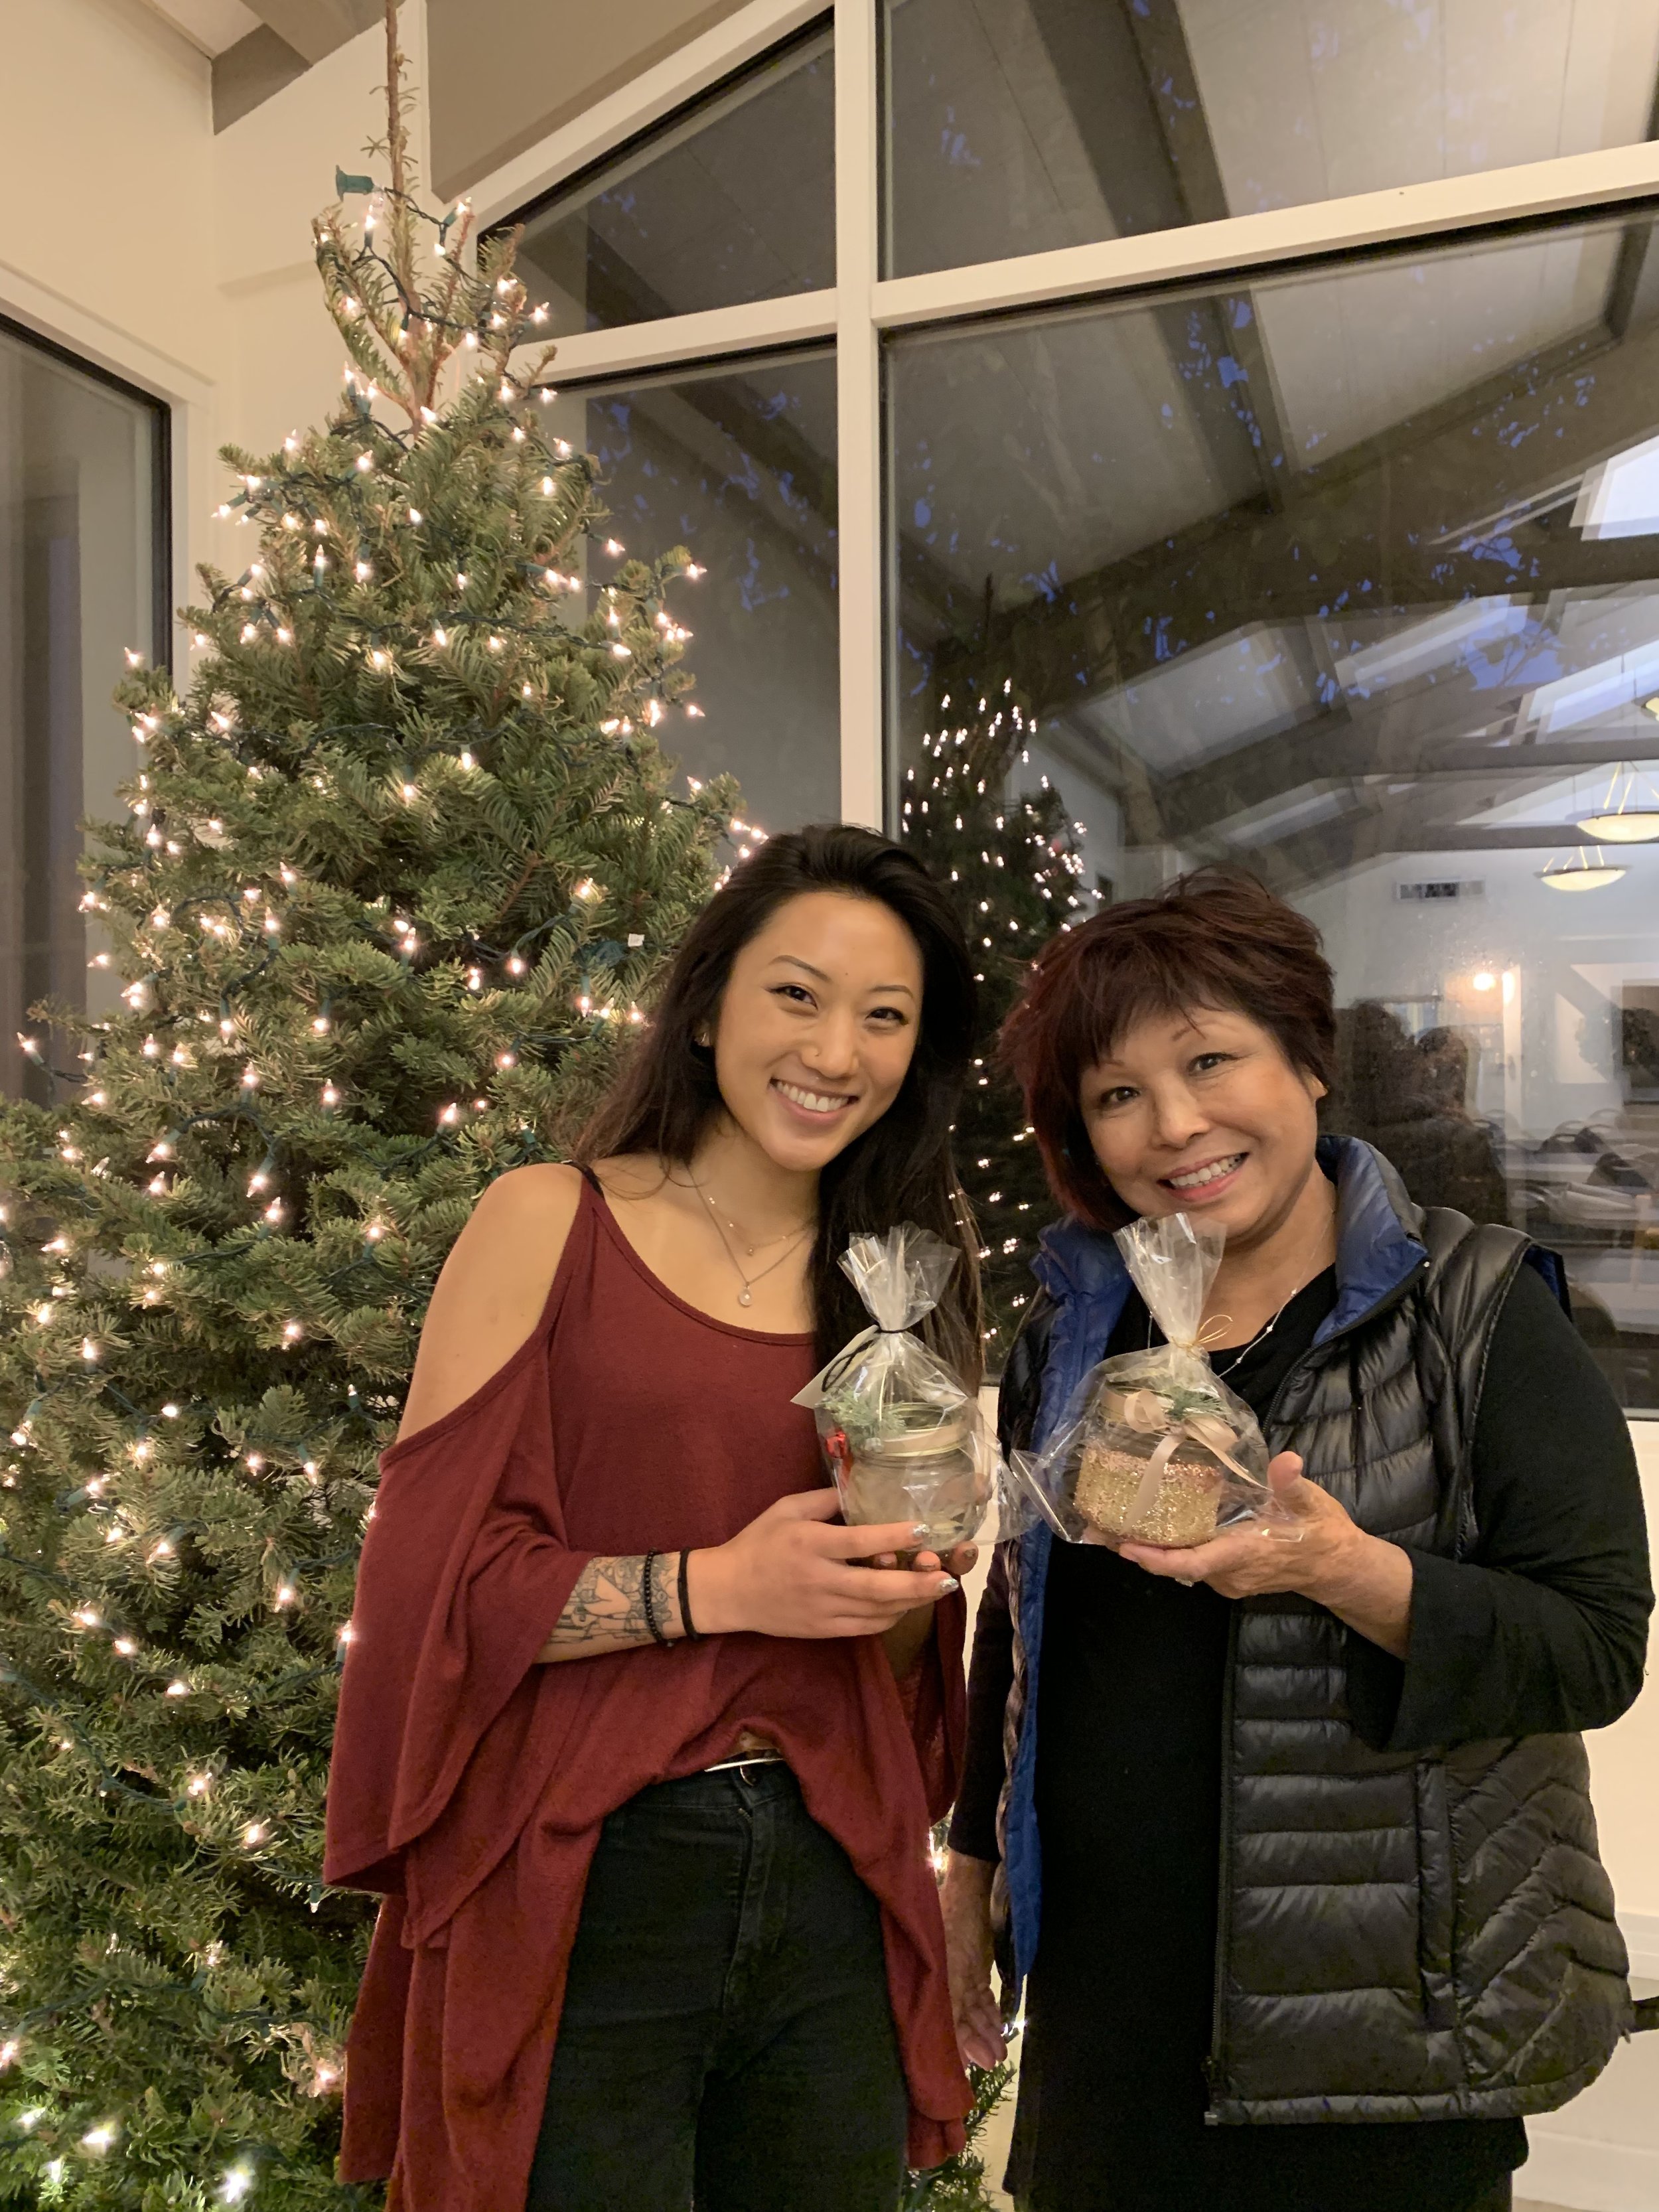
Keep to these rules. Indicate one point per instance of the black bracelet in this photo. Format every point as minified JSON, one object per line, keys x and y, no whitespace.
{"x":651,"y":1621}
{"x":695,"y":1634}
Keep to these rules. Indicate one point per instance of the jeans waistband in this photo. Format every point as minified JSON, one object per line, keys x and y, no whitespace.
{"x":746,"y":1759}
{"x":746,"y":1781}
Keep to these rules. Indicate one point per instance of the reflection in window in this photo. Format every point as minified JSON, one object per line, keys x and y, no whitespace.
{"x":1032,"y":123}
{"x":732,"y":200}
{"x":739,"y":465}
{"x":82,"y":568}
{"x":1353,"y":577}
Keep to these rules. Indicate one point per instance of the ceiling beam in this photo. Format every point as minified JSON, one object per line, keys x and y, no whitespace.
{"x":1155,"y":164}
{"x":1395,"y":503}
{"x":1462,"y":837}
{"x":1343,"y":746}
{"x":315,"y":27}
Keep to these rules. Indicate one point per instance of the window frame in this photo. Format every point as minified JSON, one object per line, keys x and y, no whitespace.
{"x":191,"y":405}
{"x":158,"y":647}
{"x":164,"y":642}
{"x":863,"y":308}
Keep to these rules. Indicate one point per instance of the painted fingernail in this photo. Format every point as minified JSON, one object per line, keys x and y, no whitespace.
{"x":946,"y":1585}
{"x":920,"y":1528}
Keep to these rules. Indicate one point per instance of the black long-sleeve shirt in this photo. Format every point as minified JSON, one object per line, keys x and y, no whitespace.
{"x":1543,"y":1628}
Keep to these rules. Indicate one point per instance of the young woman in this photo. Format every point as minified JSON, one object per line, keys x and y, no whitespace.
{"x":639,"y":1745}
{"x":1295,"y":1834}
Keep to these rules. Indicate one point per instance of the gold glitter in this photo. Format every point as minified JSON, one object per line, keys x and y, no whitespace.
{"x":1183,"y":1513}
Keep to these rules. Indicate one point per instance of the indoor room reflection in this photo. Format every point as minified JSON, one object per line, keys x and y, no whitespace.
{"x":1017,"y":125}
{"x":1353,"y":577}
{"x":82,"y":516}
{"x":730,"y":200}
{"x":738,"y":464}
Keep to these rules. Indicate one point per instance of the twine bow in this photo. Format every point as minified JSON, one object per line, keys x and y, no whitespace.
{"x":1213,"y":1331}
{"x":1150,"y":1415}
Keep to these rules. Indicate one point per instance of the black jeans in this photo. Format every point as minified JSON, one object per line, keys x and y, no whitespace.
{"x":727,"y":2040}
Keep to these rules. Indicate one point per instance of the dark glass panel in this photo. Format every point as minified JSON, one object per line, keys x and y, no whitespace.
{"x":739,"y":465}
{"x":732,"y":200}
{"x":1031,"y":124}
{"x":82,"y":570}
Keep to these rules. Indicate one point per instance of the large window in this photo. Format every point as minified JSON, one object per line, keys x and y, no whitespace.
{"x":739,"y":465}
{"x":1241,"y":443}
{"x":1353,"y":576}
{"x":82,"y":577}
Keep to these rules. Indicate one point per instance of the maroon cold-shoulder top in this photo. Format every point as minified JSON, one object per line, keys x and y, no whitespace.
{"x":469,"y":1783}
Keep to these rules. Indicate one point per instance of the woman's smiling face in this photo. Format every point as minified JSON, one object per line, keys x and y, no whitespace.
{"x":817,"y":1026}
{"x":1202,"y":1113}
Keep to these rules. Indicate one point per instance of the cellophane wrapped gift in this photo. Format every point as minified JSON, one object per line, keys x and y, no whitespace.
{"x":904,"y":1439}
{"x":1154,"y":1448}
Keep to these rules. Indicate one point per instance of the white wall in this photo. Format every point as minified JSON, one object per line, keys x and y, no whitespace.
{"x":105,"y":162}
{"x":1567,"y":954}
{"x":272,"y":172}
{"x":180,"y":260}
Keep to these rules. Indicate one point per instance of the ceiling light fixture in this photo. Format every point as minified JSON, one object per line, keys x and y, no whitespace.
{"x":1629,"y":815}
{"x":1581,"y":873}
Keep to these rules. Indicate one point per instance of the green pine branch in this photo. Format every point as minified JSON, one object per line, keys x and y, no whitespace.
{"x":401,"y":866}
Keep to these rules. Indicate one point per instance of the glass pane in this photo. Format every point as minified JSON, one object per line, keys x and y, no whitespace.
{"x":1034,"y":124}
{"x":733,"y":200}
{"x":1353,"y":577}
{"x":739,"y":465}
{"x":78,"y":561}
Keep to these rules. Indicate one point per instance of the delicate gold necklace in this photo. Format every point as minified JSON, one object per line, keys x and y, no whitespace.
{"x":750,"y":1244}
{"x":746,"y":1295}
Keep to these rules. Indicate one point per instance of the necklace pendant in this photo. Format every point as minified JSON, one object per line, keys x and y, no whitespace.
{"x":744,"y":1299}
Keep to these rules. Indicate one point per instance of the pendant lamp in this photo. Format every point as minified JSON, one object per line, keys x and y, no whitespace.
{"x":1581,"y":873}
{"x":1629,"y":815}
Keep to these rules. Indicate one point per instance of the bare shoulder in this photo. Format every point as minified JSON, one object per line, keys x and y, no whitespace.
{"x":631,"y":1176}
{"x":493,"y":1288}
{"x":544,"y":1197}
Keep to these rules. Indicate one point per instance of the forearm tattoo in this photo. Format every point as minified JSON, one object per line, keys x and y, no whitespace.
{"x":605,"y":1612}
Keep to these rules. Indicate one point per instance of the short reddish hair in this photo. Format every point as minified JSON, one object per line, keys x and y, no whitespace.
{"x":1216,"y":939}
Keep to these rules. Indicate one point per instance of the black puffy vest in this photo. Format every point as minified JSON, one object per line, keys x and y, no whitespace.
{"x":1403,"y":1935}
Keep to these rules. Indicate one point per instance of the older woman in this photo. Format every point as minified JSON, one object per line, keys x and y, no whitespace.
{"x":1299,"y":1863}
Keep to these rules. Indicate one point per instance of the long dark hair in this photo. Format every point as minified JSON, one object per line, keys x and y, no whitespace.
{"x":899,"y":1168}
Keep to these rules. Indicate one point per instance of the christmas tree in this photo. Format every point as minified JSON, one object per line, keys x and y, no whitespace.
{"x":402,"y":863}
{"x":1008,"y":856}
{"x":961,"y":2184}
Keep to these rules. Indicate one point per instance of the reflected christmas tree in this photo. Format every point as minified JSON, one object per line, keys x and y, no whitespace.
{"x":401,"y":865}
{"x":996,"y":833}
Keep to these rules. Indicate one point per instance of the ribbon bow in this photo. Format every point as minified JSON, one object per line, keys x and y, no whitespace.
{"x":1150,"y":1415}
{"x":1213,"y":1332}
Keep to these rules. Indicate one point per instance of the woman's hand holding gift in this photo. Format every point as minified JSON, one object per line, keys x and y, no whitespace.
{"x":789,"y":1573}
{"x":965,"y":1900}
{"x":1318,"y":1553}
